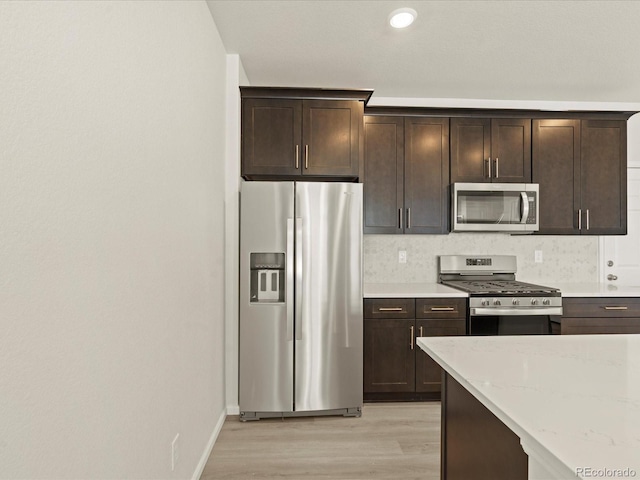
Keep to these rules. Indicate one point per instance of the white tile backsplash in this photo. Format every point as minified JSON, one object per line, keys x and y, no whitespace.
{"x":565,"y":258}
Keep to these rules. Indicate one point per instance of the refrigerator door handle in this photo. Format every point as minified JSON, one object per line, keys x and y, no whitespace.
{"x":289,"y":279}
{"x":298,"y":278}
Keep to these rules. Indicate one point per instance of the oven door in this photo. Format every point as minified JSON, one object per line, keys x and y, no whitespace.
{"x":511,"y":321}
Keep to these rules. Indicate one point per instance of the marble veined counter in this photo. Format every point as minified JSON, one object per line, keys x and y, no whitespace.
{"x":573,"y":400}
{"x":410,"y":290}
{"x":596,"y":289}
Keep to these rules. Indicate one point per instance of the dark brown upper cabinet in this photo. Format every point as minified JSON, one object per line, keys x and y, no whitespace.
{"x":406,"y":174}
{"x":603,"y":177}
{"x":491,"y":150}
{"x":581,"y":168}
{"x":289,"y":138}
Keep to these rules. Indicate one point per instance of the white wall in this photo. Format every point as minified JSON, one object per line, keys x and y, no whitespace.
{"x":112,"y":147}
{"x":236,"y":76}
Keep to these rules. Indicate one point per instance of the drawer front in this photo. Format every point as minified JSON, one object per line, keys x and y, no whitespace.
{"x":389,"y":308}
{"x":441,"y":328}
{"x":611,"y":307}
{"x":441,"y":308}
{"x":600,"y":325}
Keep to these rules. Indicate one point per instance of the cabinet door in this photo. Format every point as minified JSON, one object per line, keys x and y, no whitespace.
{"x":383,"y":174}
{"x":389,"y":355}
{"x":331,"y":137}
{"x":604,"y":177}
{"x":470,"y":149}
{"x":428,"y":372}
{"x":556,"y":167}
{"x":511,"y":150}
{"x":426,"y":175}
{"x":271,"y":137}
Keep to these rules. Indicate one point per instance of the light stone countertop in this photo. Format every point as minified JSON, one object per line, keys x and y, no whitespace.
{"x":436,"y":290}
{"x":574,"y":400}
{"x":410,"y":290}
{"x":596,"y":289}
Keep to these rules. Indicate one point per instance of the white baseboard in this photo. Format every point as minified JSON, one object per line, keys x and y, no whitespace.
{"x":207,"y":451}
{"x":233,"y":409}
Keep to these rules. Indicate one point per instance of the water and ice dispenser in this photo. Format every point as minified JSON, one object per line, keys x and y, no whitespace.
{"x":267,"y":278}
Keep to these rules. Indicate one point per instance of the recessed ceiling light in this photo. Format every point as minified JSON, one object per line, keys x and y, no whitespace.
{"x":402,"y":17}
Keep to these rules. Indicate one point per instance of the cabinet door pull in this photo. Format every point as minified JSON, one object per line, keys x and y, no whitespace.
{"x":297,"y":157}
{"x":621,"y":307}
{"x":409,"y":217}
{"x":390,"y":309}
{"x":400,"y":218}
{"x":421,"y":334}
{"x":497,"y":165}
{"x":488,"y":163}
{"x":580,"y":219}
{"x":411,"y":329}
{"x":306,"y":157}
{"x":587,"y":219}
{"x":442,"y":309}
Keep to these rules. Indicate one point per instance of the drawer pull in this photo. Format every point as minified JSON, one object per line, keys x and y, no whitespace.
{"x":390,"y":309}
{"x":443,"y":309}
{"x":623,"y":307}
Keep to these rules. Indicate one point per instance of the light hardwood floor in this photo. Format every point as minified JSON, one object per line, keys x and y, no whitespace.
{"x":390,"y":441}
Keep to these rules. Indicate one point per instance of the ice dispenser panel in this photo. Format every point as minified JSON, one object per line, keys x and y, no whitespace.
{"x":267,"y":278}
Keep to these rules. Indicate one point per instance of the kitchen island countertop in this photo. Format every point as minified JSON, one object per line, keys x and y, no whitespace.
{"x":410,"y":290}
{"x":573,"y":400}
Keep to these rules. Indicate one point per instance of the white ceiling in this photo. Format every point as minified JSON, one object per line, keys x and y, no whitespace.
{"x":587,"y":51}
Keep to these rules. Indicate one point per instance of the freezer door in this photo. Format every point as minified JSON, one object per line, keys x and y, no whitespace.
{"x":266,"y":296}
{"x":328,"y":330}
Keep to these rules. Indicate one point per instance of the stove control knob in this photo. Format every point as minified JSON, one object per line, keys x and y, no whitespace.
{"x":515,"y":301}
{"x":496,"y":302}
{"x":546,"y":301}
{"x":485,"y":303}
{"x":534,"y":301}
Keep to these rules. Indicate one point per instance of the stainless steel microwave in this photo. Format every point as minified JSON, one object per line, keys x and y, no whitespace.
{"x":495,"y":207}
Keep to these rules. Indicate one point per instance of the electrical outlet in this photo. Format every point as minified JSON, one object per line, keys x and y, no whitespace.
{"x":538,"y":256}
{"x":175,"y":451}
{"x":402,"y":256}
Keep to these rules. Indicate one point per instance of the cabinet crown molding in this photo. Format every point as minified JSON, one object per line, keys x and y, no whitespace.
{"x":496,"y":113}
{"x":305,"y":93}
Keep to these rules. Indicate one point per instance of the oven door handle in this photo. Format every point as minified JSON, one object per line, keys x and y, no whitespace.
{"x":483,"y":312}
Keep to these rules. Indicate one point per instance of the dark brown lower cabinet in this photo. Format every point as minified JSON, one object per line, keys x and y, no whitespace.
{"x":389,"y":359}
{"x":475,"y":443}
{"x":600,"y":315}
{"x":395,"y":368}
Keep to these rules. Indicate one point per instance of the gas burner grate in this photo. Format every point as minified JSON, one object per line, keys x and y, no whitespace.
{"x":501,"y":287}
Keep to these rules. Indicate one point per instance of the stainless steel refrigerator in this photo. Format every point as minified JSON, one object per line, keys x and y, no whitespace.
{"x":300,"y":299}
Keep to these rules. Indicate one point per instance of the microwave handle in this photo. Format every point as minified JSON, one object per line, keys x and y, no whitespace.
{"x":525,"y":207}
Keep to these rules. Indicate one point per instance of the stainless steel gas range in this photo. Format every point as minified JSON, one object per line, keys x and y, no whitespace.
{"x":498,"y":303}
